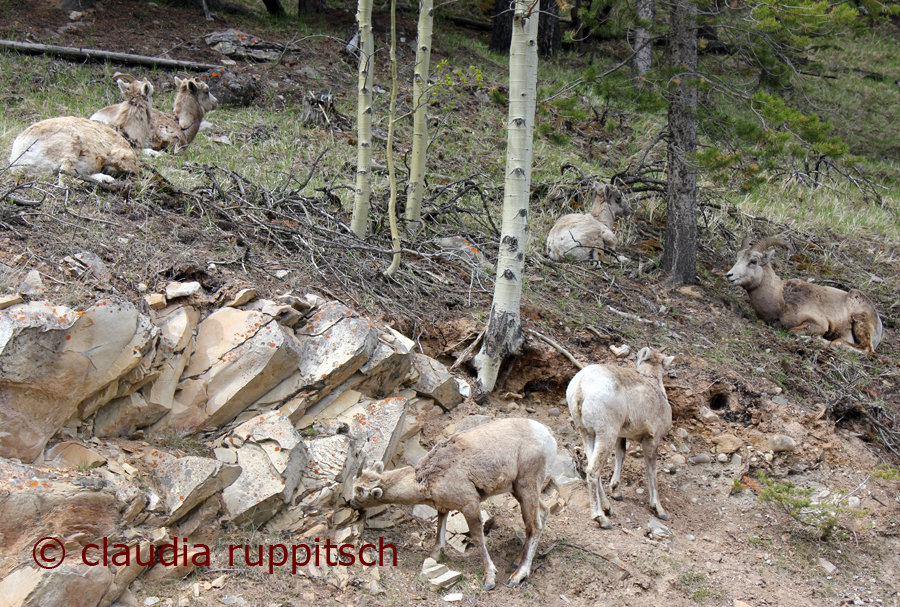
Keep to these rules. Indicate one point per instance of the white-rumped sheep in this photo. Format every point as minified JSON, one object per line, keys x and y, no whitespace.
{"x":176,"y":130}
{"x":583,"y":236}
{"x":73,"y":145}
{"x":503,"y":456}
{"x":86,"y":147}
{"x":611,"y":404}
{"x":839,"y":317}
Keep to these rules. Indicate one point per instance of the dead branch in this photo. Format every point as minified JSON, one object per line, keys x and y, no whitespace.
{"x":71,"y":52}
{"x":559,"y":348}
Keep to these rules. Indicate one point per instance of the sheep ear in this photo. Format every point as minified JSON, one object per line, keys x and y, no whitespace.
{"x":768,"y":257}
{"x":377,"y":493}
{"x":668,"y":361}
{"x":123,"y":86}
{"x":378,"y":467}
{"x":147,"y":89}
{"x":642,"y":356}
{"x":178,"y":81}
{"x":192,"y":86}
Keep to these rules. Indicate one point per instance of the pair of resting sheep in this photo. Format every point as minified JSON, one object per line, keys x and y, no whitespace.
{"x":609,"y":404}
{"x":109,"y":143}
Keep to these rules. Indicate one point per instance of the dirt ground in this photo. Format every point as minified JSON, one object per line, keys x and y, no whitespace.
{"x":726,"y":547}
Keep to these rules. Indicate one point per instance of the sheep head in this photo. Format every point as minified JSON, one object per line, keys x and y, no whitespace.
{"x":650,"y":362}
{"x":619,"y":206}
{"x":367,"y":487}
{"x":138,"y":93}
{"x":749,"y":269}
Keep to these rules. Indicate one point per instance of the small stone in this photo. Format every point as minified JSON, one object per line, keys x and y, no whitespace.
{"x":453,"y":597}
{"x":620,"y":351}
{"x":446,"y":580}
{"x":677,"y":460}
{"x":657,"y":530}
{"x":707,"y":415}
{"x":32,"y":285}
{"x":156,"y":301}
{"x":738,"y":603}
{"x":142,"y":287}
{"x":779,"y":400}
{"x":721,"y":458}
{"x":700,"y":458}
{"x":554,"y":412}
{"x":727,"y":443}
{"x":424,"y":511}
{"x":689,"y":537}
{"x":829,"y":567}
{"x":432,"y":569}
{"x":181,"y":289}
{"x":737,"y":460}
{"x":854,"y":502}
{"x":280,"y":274}
{"x":681,"y":433}
{"x":184,"y":602}
{"x":242,"y":297}
{"x":10,"y":300}
{"x":218,"y":582}
{"x":781,"y":442}
{"x":229,"y":456}
{"x":151,"y":600}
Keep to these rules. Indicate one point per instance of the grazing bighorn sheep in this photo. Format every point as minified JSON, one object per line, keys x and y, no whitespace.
{"x":839,"y":317}
{"x":503,"y":456}
{"x":86,"y":147}
{"x":611,"y":404}
{"x":176,"y":130}
{"x":582,"y":236}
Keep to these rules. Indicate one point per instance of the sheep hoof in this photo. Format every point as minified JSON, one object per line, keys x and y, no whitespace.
{"x":618,"y":498}
{"x":662,"y":517}
{"x":512,"y":584}
{"x":489,"y":586}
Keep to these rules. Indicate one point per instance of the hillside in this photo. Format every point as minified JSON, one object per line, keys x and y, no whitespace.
{"x":261,"y":200}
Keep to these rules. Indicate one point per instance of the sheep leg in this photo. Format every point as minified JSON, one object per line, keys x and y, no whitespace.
{"x":472,"y":513}
{"x":441,"y":537}
{"x":614,"y":489}
{"x":527,"y":492}
{"x":600,"y":506}
{"x":650,"y":445}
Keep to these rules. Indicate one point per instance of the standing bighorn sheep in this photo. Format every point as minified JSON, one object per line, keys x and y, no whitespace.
{"x":583,"y":236}
{"x":834,"y":315}
{"x":611,"y":404}
{"x":176,"y":130}
{"x":503,"y":456}
{"x":85,"y":147}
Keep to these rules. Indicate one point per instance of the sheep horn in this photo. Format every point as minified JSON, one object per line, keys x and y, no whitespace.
{"x":771,"y":241}
{"x":745,"y":244}
{"x":120,"y":76}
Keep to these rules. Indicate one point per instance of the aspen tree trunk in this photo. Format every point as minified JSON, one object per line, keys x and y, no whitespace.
{"x":643,"y":47}
{"x":503,"y":335}
{"x":416,"y":187}
{"x":360,"y":220}
{"x":392,"y":205}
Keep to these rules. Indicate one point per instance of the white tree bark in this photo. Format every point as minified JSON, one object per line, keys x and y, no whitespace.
{"x":416,"y":187}
{"x":392,"y":205}
{"x":503,"y":335}
{"x":360,"y":220}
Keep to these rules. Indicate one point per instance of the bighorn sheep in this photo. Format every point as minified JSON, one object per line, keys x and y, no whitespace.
{"x":176,"y":130}
{"x":582,"y":236}
{"x":86,"y":147}
{"x":836,"y":316}
{"x":503,"y":456}
{"x":611,"y":404}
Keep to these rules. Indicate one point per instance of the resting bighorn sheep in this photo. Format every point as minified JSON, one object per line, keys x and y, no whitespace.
{"x":176,"y":130}
{"x":86,"y":147}
{"x":834,"y":315}
{"x":503,"y":456}
{"x":582,"y":236}
{"x":611,"y":404}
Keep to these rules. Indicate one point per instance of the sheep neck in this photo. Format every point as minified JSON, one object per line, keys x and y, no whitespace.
{"x":767,"y":298}
{"x":188,"y":112}
{"x":400,"y":487}
{"x":602,"y":212}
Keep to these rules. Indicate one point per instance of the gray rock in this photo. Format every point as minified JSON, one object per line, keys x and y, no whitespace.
{"x":727,"y":443}
{"x":69,"y":585}
{"x":700,"y":458}
{"x":657,"y":530}
{"x":33,"y":286}
{"x":188,"y":481}
{"x":182,"y":289}
{"x":385,"y":371}
{"x":781,"y":442}
{"x":436,"y":382}
{"x":59,"y":365}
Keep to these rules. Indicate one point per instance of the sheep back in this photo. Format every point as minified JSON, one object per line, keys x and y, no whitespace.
{"x":578,"y":236}
{"x":602,"y":396}
{"x":77,"y":145}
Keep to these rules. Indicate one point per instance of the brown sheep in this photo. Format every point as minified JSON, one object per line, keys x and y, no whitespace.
{"x":839,"y":317}
{"x":503,"y":456}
